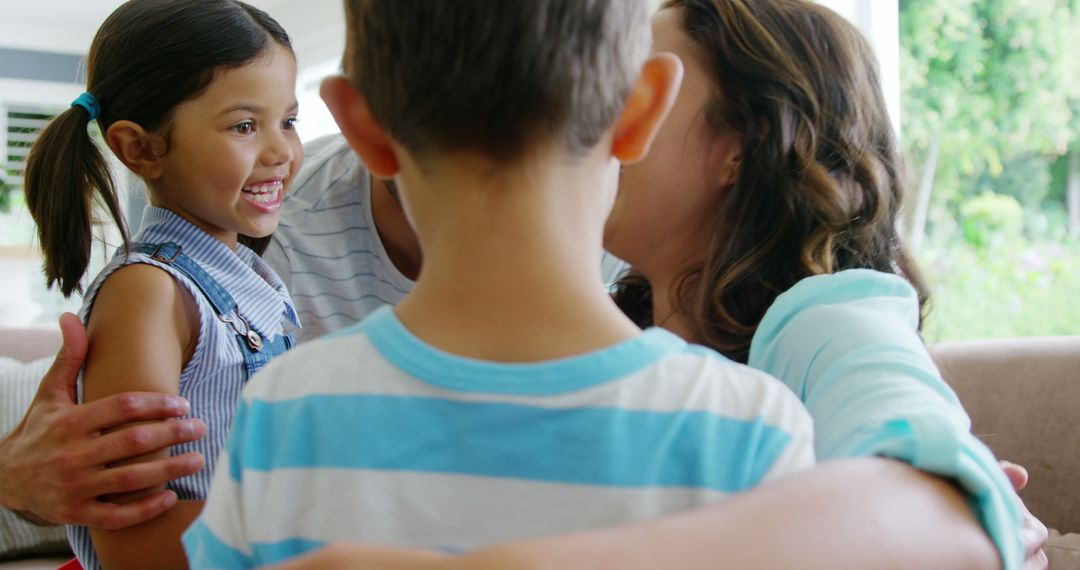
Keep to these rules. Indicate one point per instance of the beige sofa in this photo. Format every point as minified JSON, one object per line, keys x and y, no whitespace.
{"x":1023,"y":396}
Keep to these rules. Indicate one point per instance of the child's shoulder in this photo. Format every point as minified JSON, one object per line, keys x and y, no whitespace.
{"x":342,"y":362}
{"x":143,"y":279}
{"x":706,"y":380}
{"x":139,"y":301}
{"x":851,"y":302}
{"x":133,"y":278}
{"x":825,"y":319}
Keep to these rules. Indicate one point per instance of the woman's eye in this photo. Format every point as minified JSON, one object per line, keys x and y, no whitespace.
{"x":244,"y":128}
{"x":289,"y":124}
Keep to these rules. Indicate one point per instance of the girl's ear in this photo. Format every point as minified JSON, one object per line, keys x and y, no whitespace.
{"x":365,"y":135}
{"x":650,"y":100}
{"x":136,"y":148}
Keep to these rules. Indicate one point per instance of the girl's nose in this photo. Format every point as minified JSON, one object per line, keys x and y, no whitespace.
{"x":278,"y":149}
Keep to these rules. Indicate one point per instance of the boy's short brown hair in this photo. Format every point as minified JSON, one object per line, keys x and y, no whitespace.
{"x":495,"y":76}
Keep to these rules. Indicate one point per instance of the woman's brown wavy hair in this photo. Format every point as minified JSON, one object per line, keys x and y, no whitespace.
{"x":820,"y":181}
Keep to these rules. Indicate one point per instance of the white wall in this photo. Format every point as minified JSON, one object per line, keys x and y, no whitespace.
{"x":37,"y":93}
{"x":68,"y":26}
{"x":317,"y":28}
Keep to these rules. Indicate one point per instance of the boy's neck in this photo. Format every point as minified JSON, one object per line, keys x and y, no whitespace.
{"x":511,"y":267}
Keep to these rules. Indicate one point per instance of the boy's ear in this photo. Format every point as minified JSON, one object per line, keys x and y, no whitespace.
{"x":365,"y":135}
{"x":648,"y":105}
{"x":136,"y":148}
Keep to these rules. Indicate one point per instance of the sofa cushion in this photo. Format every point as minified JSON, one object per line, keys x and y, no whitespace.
{"x":18,"y":383}
{"x":1063,"y":552}
{"x":27,"y":344}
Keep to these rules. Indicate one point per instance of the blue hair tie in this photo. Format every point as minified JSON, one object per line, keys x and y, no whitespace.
{"x":90,"y":103}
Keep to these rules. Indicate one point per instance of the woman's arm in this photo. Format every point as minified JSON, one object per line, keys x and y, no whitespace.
{"x":848,"y":345}
{"x":855,"y":513}
{"x":143,"y":329}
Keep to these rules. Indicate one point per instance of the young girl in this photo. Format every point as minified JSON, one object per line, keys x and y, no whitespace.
{"x":198,"y":99}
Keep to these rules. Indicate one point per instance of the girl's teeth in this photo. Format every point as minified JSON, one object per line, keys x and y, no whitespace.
{"x":264,"y":188}
{"x":264,"y":193}
{"x":263,"y":197}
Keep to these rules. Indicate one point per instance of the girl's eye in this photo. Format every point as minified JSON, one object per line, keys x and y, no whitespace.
{"x":244,"y":128}
{"x":289,"y":124}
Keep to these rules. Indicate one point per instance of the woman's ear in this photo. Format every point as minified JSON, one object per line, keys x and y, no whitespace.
{"x":727,"y":151}
{"x":136,"y":148}
{"x":650,"y":100}
{"x":365,"y":135}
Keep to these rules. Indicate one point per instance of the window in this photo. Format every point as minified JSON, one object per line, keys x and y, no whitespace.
{"x":987,"y":110}
{"x":990,"y":115}
{"x":21,"y":126}
{"x":23,"y":297}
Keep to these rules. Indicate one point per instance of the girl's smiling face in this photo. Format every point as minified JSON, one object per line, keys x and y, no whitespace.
{"x":233,"y":151}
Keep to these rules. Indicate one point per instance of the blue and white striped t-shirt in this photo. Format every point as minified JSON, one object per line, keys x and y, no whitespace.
{"x":327,"y":249}
{"x":213,"y":379}
{"x":391,"y":441}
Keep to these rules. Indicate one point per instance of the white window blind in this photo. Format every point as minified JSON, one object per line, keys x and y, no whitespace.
{"x":22,"y":125}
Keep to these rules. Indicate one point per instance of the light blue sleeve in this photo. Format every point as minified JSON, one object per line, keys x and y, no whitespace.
{"x":206,"y":551}
{"x":217,"y":539}
{"x":847,"y":345}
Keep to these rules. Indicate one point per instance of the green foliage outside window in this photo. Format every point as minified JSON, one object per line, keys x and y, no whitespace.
{"x":991,"y":133}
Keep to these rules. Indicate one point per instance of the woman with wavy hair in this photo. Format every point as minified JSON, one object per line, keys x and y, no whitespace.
{"x":763,"y":224}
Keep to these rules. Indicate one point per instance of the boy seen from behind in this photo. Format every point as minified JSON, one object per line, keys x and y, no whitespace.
{"x":506,"y":397}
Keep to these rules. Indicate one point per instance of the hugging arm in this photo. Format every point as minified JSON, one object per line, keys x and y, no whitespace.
{"x":848,"y":344}
{"x":847,"y":514}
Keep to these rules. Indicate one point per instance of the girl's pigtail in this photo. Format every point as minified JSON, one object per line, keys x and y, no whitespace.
{"x":63,"y":170}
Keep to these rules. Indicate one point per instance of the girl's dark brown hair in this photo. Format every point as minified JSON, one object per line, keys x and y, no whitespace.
{"x":820,"y":182}
{"x":146,"y":59}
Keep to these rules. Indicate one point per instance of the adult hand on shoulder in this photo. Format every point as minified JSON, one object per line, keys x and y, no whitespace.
{"x":1034,"y":533}
{"x":54,"y":464}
